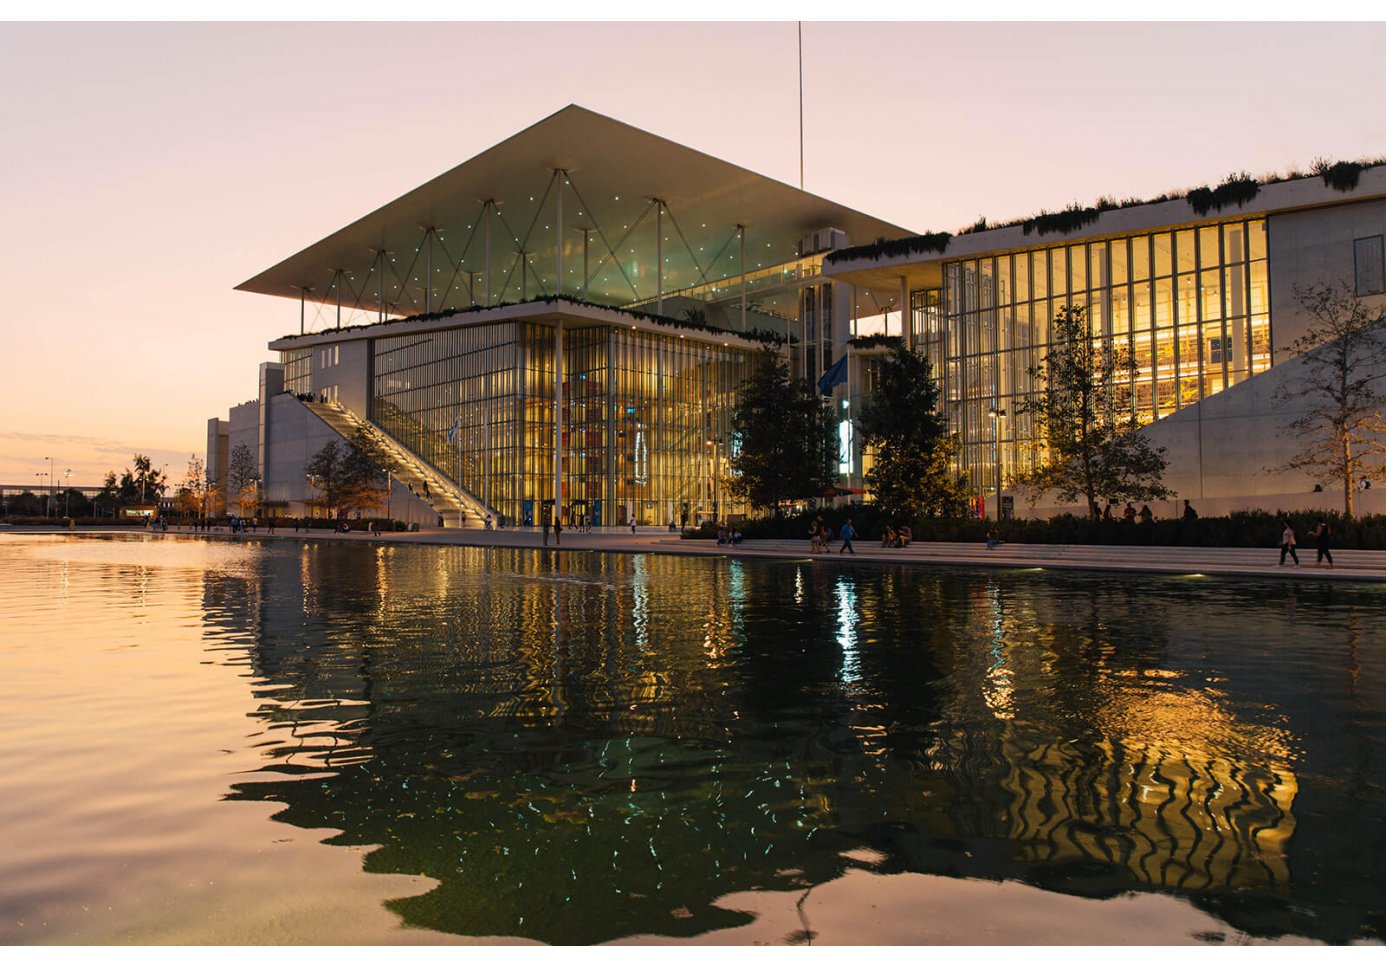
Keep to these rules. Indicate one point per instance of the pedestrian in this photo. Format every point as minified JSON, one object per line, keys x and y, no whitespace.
{"x":992,"y":540}
{"x":847,"y":534}
{"x":557,"y":531}
{"x":1110,"y":513}
{"x":1189,"y":513}
{"x":1320,"y":536}
{"x":1287,"y":545}
{"x":632,"y":525}
{"x":1146,"y":515}
{"x":1130,"y":513}
{"x":546,"y":530}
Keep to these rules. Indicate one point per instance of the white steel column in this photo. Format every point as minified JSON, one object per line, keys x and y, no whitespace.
{"x":659,"y":257}
{"x":905,"y":313}
{"x":557,"y":419}
{"x":486,"y":214}
{"x":380,"y":284}
{"x":562,"y":176}
{"x":302,"y":298}
{"x":337,"y":284}
{"x":741,"y":232}
{"x":585,"y":233}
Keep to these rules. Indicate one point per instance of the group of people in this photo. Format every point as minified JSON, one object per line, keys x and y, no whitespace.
{"x":897,"y":537}
{"x":726,"y":535}
{"x":820,"y":534}
{"x":1130,"y":515}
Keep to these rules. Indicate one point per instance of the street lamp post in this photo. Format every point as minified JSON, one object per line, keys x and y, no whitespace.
{"x":41,"y":475}
{"x":997,"y":413}
{"x":67,"y":493}
{"x":50,"y":487}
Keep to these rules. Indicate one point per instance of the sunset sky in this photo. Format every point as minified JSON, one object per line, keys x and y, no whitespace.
{"x":148,"y":169}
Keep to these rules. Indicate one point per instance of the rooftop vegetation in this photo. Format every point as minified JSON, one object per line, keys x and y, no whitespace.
{"x":1236,"y":189}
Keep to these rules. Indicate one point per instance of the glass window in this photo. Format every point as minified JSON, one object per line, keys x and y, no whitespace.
{"x":1369,"y":264}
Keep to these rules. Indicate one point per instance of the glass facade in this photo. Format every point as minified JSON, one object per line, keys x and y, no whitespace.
{"x":1191,"y":306}
{"x":646,"y":417}
{"x":298,"y":371}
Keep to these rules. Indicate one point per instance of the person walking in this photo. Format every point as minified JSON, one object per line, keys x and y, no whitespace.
{"x":557,"y":531}
{"x":1320,"y":536}
{"x":1146,"y":515}
{"x":1287,"y":545}
{"x":847,"y":534}
{"x":546,"y":530}
{"x":1189,"y":513}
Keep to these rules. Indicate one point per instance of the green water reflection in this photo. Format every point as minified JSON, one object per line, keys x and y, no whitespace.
{"x":584,"y":748}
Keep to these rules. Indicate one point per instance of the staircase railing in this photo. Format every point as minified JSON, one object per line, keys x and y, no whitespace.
{"x":417,"y":466}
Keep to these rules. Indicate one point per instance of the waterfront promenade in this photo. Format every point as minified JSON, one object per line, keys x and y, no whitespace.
{"x":1351,"y":564}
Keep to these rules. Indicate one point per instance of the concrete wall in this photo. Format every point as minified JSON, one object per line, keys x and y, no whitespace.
{"x":1315,"y":247}
{"x":341,"y":370}
{"x":295,"y":435}
{"x":218,"y":452}
{"x":1224,"y":453}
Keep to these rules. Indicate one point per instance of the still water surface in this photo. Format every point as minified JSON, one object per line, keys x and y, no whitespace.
{"x":286,"y":742}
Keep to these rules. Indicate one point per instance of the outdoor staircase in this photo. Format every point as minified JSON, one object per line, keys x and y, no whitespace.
{"x":457,"y":507}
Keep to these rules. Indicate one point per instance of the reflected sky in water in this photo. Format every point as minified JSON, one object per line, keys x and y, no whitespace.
{"x":458,"y":743}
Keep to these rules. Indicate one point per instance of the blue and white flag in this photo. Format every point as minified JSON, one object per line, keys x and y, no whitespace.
{"x":832,"y":376}
{"x":456,"y":423}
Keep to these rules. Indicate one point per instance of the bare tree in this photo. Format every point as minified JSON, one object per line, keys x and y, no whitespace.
{"x":242,"y":475}
{"x":1342,"y":357}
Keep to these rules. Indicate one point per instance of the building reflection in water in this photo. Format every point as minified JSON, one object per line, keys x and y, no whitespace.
{"x":582,"y":747}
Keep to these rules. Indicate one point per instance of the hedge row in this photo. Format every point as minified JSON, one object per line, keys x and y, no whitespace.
{"x":1242,"y":529}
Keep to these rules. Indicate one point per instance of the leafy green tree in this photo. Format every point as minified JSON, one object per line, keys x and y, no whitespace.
{"x":350,"y":478}
{"x":143,"y":485}
{"x":109,"y":497}
{"x":1084,"y":418}
{"x":365,"y":469}
{"x":1342,"y":358}
{"x":785,"y":445}
{"x":325,"y":471}
{"x":914,"y":452}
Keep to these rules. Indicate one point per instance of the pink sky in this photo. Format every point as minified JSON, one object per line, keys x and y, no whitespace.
{"x":148,"y":169}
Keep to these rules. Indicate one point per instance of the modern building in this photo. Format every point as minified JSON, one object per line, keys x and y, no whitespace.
{"x":1203,"y":295}
{"x":569,"y":314}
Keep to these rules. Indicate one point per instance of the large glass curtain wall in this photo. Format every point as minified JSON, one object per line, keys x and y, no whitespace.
{"x":646,"y":418}
{"x":1190,"y":305}
{"x":670,"y":431}
{"x":464,"y":400}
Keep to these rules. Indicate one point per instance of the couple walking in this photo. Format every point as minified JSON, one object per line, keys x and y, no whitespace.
{"x":1320,"y":534}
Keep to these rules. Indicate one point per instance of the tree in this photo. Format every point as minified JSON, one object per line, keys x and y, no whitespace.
{"x":914,"y":453}
{"x":142,"y":485}
{"x":1341,"y":357}
{"x":350,"y":478}
{"x":242,"y":477}
{"x":784,"y":446}
{"x":1084,"y":418}
{"x":192,"y":493}
{"x":365,"y":467}
{"x":109,"y":498}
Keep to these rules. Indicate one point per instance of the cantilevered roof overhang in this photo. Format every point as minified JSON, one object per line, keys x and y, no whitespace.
{"x":612,"y":174}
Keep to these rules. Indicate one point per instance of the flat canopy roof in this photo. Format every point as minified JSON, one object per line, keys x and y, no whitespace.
{"x":614,"y":174}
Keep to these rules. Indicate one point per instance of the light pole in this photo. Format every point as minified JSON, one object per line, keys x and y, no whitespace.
{"x":41,"y":475}
{"x":67,"y":493}
{"x":50,"y":487}
{"x":997,"y":413}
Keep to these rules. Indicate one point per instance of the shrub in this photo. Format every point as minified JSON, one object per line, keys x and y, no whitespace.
{"x":1241,"y":529}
